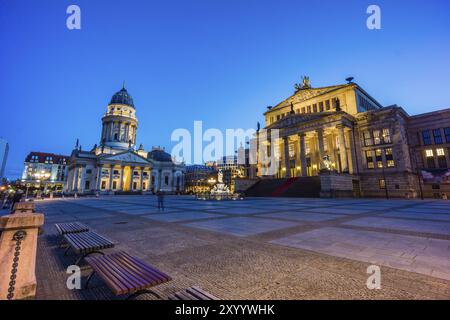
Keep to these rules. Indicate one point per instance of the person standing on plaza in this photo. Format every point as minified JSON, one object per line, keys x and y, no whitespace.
{"x":160,"y":195}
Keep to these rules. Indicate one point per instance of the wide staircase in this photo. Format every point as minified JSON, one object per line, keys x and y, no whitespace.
{"x":302,"y":187}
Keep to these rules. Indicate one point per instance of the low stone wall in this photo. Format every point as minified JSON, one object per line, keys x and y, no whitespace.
{"x":336,"y":185}
{"x":18,"y":245}
{"x":242,"y":185}
{"x":399,"y":185}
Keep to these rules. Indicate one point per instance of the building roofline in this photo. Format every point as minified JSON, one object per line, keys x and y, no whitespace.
{"x":430,"y":113}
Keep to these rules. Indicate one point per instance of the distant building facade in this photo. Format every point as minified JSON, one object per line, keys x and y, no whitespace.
{"x":116,"y":165}
{"x":356,"y":146}
{"x":200,"y":178}
{"x":4,"y":149}
{"x":46,"y":170}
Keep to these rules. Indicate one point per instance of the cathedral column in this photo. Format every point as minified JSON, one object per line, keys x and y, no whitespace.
{"x":122,"y":172}
{"x":321,"y":147}
{"x":76,"y":173}
{"x":83,"y":178}
{"x":159,"y":179}
{"x":111,"y":170}
{"x":301,"y":137}
{"x":141,"y":178}
{"x":342,"y":149}
{"x":99,"y":177}
{"x":287,"y":161}
{"x":132,"y":178}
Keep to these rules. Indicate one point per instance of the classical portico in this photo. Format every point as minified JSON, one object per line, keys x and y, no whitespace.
{"x":308,"y":143}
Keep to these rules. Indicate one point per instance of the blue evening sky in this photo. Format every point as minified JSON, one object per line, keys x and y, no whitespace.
{"x":220,"y":61}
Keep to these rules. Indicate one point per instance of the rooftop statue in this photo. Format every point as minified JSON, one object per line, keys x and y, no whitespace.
{"x":306,"y":84}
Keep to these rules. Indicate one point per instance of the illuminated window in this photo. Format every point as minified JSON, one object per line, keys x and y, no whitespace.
{"x":376,"y":137}
{"x":442,"y":162}
{"x":389,"y":158}
{"x":430,"y":159}
{"x":367,"y":139}
{"x":382,"y":183}
{"x":379,"y":158}
{"x":369,"y":159}
{"x":386,"y":136}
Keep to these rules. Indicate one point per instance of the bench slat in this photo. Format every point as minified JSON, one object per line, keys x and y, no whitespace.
{"x":85,"y":242}
{"x":123,"y":273}
{"x":70,"y":227}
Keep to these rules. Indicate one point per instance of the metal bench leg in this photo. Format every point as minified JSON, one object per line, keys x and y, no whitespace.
{"x":87,"y":254}
{"x":67,"y":250}
{"x":89,"y":279}
{"x":141,"y":292}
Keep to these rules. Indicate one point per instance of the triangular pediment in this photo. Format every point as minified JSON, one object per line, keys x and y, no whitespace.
{"x":306,"y":94}
{"x":126,"y":156}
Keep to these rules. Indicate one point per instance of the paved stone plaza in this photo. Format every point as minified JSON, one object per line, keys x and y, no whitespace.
{"x":263,"y":248}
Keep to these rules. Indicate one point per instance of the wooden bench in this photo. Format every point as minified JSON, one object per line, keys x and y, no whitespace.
{"x":125,"y":274}
{"x":70,"y":227}
{"x":193,"y":293}
{"x":86,"y":243}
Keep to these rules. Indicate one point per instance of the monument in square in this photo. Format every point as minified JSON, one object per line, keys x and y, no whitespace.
{"x":220,"y":191}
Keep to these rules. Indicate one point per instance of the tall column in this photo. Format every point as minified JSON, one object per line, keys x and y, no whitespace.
{"x":122,"y":171}
{"x":111,"y":131}
{"x":353,"y":165}
{"x":287,"y":160}
{"x":321,"y":147}
{"x":83,"y":178}
{"x":141,"y":178}
{"x":127,"y":132}
{"x":99,"y":177}
{"x":132,"y":178}
{"x":301,"y":137}
{"x":159,"y":178}
{"x":76,"y":173}
{"x":111,"y":171}
{"x":342,"y":149}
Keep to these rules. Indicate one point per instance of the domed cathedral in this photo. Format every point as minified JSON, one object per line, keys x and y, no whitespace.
{"x":116,"y":166}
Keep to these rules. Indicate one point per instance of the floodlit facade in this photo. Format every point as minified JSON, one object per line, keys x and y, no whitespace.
{"x":116,"y":165}
{"x":45,"y":170}
{"x":355,"y":146}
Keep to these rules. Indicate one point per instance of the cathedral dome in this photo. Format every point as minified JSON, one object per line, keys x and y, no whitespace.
{"x":159,"y":155}
{"x":122,"y":97}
